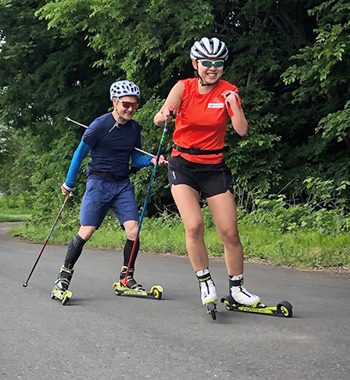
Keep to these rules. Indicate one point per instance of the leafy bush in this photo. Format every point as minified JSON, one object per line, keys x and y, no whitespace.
{"x":22,"y":203}
{"x":325,"y":211}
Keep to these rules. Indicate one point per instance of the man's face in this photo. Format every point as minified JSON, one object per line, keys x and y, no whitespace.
{"x":126,"y":106}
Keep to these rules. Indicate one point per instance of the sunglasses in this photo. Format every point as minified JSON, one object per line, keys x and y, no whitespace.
{"x":208,"y":63}
{"x":127,"y":105}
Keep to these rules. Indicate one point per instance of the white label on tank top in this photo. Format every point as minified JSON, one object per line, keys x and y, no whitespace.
{"x":215,"y":105}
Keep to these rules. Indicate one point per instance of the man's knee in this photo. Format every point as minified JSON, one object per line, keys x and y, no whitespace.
{"x":85,"y":232}
{"x":131,"y":227}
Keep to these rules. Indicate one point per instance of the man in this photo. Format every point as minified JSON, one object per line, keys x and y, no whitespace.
{"x":111,"y":139}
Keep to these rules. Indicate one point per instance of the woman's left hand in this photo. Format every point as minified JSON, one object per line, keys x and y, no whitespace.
{"x":232,"y":96}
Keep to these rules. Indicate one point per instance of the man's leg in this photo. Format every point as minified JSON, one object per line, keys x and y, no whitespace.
{"x":74,"y":250}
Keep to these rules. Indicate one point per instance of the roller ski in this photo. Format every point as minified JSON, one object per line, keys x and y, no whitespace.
{"x":208,"y":292}
{"x":241,"y":300}
{"x":129,"y":287}
{"x":60,"y":289}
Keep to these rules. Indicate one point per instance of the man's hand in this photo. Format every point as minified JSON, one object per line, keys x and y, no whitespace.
{"x":162,"y":160}
{"x":66,"y":190}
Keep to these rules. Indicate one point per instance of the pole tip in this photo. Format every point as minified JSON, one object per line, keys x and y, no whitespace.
{"x":25,"y":284}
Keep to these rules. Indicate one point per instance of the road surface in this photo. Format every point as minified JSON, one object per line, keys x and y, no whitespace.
{"x":100,"y":336}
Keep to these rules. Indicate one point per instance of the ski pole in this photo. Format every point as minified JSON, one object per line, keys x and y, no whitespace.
{"x":48,"y":237}
{"x":85,"y":126}
{"x":76,"y":122}
{"x":124,"y":281}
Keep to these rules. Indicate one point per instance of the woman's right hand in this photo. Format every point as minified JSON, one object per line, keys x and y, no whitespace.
{"x":166,"y":115}
{"x":169,"y":114}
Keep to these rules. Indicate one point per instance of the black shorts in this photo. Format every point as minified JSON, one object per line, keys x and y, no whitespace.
{"x":207,"y":179}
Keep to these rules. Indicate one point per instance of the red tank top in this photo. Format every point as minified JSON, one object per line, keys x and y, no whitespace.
{"x":201,"y":121}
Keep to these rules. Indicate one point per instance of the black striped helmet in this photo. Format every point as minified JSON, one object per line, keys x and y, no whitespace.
{"x":209,"y":48}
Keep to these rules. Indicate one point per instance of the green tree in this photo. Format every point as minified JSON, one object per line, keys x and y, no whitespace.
{"x":44,"y":77}
{"x":289,"y":60}
{"x":322,"y":74}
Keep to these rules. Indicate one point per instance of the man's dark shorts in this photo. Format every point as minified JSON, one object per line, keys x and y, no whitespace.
{"x":102,"y":195}
{"x":207,"y":179}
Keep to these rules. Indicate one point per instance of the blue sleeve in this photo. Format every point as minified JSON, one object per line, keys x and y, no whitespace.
{"x":139,"y":160}
{"x":78,"y":157}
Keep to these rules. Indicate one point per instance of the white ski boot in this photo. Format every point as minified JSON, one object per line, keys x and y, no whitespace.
{"x":208,"y":291}
{"x":240,"y":294}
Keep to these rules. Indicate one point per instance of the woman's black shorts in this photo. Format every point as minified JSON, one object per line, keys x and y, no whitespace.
{"x":207,"y":179}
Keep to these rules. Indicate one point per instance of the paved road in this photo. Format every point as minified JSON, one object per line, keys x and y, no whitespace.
{"x":100,"y":336}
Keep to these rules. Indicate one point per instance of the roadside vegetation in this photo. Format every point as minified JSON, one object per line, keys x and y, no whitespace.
{"x":302,"y":236}
{"x":15,"y":209}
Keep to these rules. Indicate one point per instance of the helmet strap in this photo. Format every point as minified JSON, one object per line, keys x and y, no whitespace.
{"x":202,"y":82}
{"x":121,"y":119}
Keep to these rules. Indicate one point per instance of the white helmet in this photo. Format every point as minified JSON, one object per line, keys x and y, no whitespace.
{"x":124,"y":88}
{"x":209,"y":48}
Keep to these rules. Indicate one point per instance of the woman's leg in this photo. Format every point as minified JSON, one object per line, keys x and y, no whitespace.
{"x":223,"y":209}
{"x":187,"y":202}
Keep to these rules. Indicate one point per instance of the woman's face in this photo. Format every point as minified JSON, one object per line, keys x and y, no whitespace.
{"x":210,"y":70}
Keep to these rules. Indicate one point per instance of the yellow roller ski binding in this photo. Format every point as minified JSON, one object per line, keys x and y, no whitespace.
{"x":129,"y":286}
{"x":60,"y":289}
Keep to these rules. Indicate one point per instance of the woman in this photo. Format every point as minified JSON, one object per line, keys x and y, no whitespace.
{"x":197,"y":166}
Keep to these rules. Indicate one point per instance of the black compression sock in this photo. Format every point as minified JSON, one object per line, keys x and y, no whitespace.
{"x":74,"y":250}
{"x":127,"y":252}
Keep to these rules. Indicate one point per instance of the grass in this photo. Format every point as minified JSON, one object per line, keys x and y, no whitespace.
{"x":300,"y":248}
{"x":10,"y":215}
{"x":14,"y":218}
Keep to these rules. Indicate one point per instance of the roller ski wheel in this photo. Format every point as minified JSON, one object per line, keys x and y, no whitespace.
{"x":283,"y":309}
{"x":120,"y":289}
{"x":211,"y":309}
{"x":63,"y":296}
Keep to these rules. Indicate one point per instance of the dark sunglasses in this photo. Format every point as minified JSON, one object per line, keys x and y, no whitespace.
{"x":127,"y":105}
{"x":208,"y":63}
